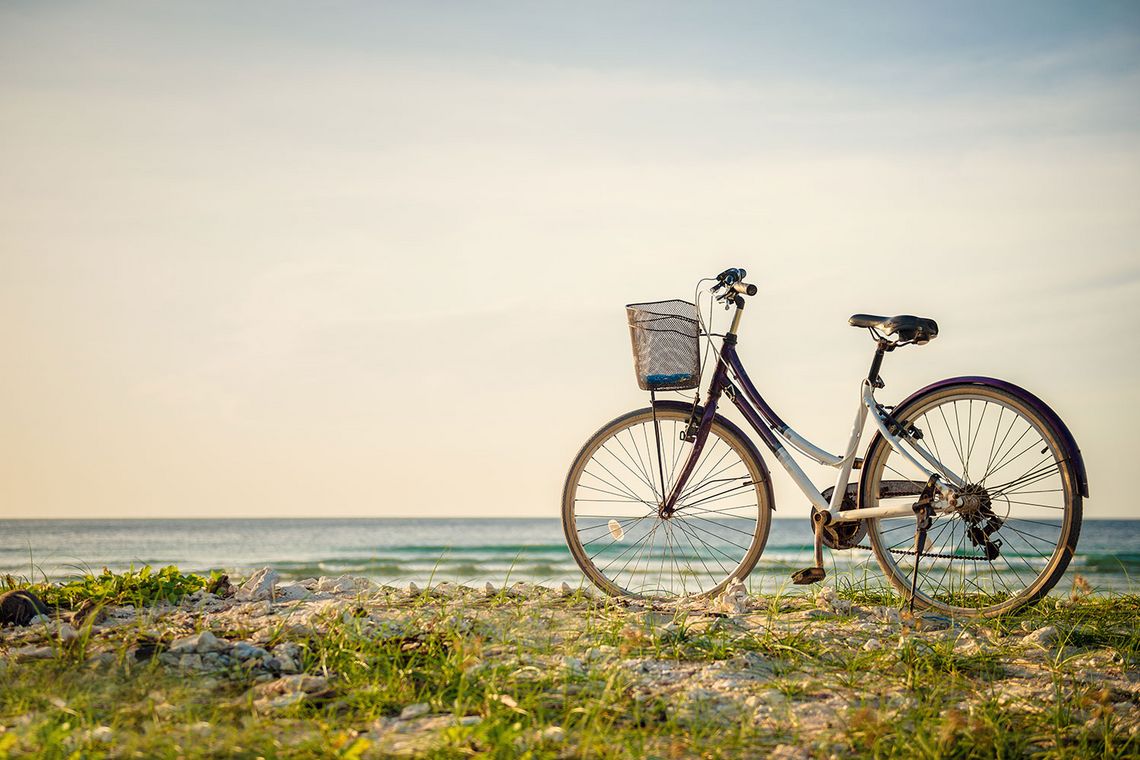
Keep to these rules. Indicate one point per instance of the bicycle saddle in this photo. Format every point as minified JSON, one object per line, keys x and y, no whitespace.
{"x":909,"y":328}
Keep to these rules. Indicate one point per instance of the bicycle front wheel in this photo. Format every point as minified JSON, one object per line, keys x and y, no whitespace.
{"x":1006,"y":536}
{"x":615,"y":485}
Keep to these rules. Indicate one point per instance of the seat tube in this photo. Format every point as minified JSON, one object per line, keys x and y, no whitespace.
{"x":844,"y":476}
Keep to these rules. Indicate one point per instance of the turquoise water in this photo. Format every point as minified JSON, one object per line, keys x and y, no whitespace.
{"x":457,"y":550}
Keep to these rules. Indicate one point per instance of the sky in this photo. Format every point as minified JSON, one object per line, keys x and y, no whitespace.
{"x":281,"y":259}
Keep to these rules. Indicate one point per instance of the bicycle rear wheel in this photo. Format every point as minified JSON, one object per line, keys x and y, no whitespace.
{"x":1019,"y":496}
{"x":613,"y":490}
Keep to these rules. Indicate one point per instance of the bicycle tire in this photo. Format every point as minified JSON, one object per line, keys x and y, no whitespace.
{"x":1035,"y":499}
{"x":703,"y":543}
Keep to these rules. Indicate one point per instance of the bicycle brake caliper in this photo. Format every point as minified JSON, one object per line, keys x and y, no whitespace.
{"x":897,"y":427}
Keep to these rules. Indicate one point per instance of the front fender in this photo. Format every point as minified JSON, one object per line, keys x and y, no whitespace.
{"x":1073,"y":457}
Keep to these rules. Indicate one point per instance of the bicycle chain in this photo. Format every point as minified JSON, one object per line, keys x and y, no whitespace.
{"x":935,"y":555}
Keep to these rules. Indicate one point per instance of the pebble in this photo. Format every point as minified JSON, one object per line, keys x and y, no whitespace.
{"x":244,"y":651}
{"x":67,"y":633}
{"x":886,"y":614}
{"x":412,"y":589}
{"x":190,"y":662}
{"x":932,"y":622}
{"x":292,"y":592}
{"x":339,"y":585}
{"x":258,"y":587}
{"x":24,"y":654}
{"x":200,"y":643}
{"x":553,"y":734}
{"x":415,"y":711}
{"x":102,"y":734}
{"x":1045,"y":637}
{"x":872,"y":645}
{"x":565,"y":590}
{"x":304,"y":684}
{"x":471,"y":720}
{"x":735,"y":598}
{"x":489,"y":589}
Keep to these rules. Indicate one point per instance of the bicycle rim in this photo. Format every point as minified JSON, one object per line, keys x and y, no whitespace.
{"x":610,"y":509}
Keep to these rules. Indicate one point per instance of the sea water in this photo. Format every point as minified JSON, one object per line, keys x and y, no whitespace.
{"x":472,"y":551}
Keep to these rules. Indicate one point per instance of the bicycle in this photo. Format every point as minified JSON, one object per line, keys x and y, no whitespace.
{"x":970,"y":492}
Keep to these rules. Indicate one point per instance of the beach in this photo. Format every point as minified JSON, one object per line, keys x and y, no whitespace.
{"x":345,"y":667}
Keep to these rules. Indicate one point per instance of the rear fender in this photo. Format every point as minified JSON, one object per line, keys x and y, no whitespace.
{"x":1073,"y":458}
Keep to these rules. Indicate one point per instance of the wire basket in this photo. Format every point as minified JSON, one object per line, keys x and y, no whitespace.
{"x":666,"y":345}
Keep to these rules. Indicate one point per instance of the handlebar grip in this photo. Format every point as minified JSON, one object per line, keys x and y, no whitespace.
{"x":745,"y":288}
{"x":731,"y":276}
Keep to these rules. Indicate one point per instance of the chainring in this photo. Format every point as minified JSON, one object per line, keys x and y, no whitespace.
{"x":842,"y":535}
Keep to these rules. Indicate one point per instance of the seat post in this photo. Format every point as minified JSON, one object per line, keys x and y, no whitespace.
{"x":881,"y":348}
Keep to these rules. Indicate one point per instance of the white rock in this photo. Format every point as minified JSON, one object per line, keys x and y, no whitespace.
{"x":288,"y":665}
{"x":1045,"y":636}
{"x":288,"y":690}
{"x":244,"y":651}
{"x":872,"y":645}
{"x":24,"y":654}
{"x":67,"y":633}
{"x":202,"y":642}
{"x":415,"y":711}
{"x":886,"y":614}
{"x":102,"y":734}
{"x":471,"y":720}
{"x":258,"y":587}
{"x":553,"y":734}
{"x":573,"y":664}
{"x":292,"y":592}
{"x":40,"y":620}
{"x":342,"y":585}
{"x":735,"y":598}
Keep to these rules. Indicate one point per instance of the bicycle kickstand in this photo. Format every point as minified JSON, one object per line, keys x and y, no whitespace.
{"x":923,"y":519}
{"x":816,"y":573}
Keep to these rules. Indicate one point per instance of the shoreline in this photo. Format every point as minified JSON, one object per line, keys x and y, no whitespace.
{"x":290,"y":669}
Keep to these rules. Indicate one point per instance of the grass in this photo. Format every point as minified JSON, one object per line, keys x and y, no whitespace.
{"x":142,"y":587}
{"x":534,"y":674}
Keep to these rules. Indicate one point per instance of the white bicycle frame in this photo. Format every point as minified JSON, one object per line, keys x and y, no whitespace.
{"x":846,"y":462}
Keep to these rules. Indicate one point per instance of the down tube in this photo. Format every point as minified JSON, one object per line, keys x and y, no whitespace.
{"x":782,"y":455}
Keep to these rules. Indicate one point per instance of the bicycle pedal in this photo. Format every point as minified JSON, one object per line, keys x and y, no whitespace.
{"x":808,"y":576}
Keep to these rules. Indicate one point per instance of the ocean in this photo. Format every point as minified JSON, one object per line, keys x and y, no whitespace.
{"x":471,"y":551}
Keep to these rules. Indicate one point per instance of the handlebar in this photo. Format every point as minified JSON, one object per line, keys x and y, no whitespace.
{"x":733,"y":281}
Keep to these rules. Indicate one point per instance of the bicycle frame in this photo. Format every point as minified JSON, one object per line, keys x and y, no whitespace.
{"x":731,"y":379}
